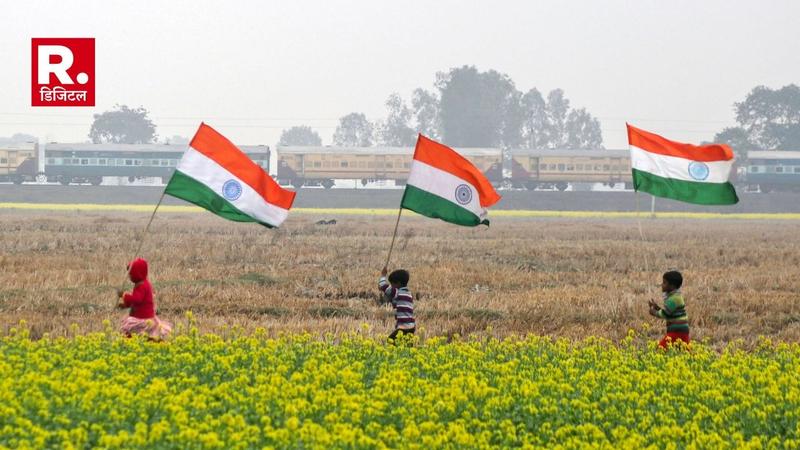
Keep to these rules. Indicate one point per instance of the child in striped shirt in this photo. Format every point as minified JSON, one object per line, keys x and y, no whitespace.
{"x":674,"y":310}
{"x":395,"y":290}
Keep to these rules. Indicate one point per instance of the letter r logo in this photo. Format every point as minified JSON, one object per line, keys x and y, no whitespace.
{"x":62,"y":72}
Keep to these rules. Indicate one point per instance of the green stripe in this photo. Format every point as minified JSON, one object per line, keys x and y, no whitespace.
{"x":685,"y":191}
{"x":431,"y":205}
{"x":187,"y":188}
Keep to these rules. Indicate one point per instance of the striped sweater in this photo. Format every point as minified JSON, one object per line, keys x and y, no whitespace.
{"x":402,"y":302}
{"x":674,"y":311}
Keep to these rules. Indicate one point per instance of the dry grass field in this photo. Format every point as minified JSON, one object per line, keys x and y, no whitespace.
{"x":567,"y":277}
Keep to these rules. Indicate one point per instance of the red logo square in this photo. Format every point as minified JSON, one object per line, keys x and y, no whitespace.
{"x":62,"y":72}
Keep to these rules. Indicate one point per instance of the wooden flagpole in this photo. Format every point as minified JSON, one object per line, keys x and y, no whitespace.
{"x":394,"y":236}
{"x":144,"y":235}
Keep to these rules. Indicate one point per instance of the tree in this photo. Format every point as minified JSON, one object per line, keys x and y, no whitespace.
{"x":18,"y":138}
{"x":425,"y":105}
{"x":534,"y":112}
{"x":395,"y":131}
{"x":354,"y":130}
{"x":177,"y":140}
{"x":300,"y":136}
{"x":768,"y":120}
{"x":583,"y":130}
{"x":553,"y":124}
{"x":123,"y":126}
{"x":477,"y":109}
{"x":556,"y":113}
{"x":737,"y":138}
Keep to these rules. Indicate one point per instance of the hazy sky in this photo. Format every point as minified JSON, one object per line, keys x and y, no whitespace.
{"x":251,"y":69}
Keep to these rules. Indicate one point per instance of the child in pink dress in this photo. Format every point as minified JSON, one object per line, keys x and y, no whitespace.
{"x":142,"y":318}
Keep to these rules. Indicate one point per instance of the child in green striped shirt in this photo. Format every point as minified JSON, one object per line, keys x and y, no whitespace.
{"x":673,"y":311}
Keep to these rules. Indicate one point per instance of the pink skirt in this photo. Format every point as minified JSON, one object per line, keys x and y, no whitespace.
{"x":154,"y":328}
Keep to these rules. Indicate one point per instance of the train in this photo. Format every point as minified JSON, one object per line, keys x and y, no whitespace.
{"x":321,"y":166}
{"x":89,"y":163}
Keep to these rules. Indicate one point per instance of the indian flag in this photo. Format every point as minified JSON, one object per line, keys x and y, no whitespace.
{"x":214,"y":174}
{"x":689,"y":173}
{"x":444,"y":185}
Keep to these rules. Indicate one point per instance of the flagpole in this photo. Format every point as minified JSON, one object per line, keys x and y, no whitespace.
{"x":394,"y":235}
{"x":144,"y":233}
{"x":652,"y":206}
{"x":644,"y":241}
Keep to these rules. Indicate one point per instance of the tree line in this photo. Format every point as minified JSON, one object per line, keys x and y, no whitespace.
{"x":467,"y":108}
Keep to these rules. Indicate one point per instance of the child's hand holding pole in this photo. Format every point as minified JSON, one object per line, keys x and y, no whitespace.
{"x":654,"y":308}
{"x":384,"y":271}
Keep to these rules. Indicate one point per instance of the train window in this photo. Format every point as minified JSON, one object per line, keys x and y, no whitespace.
{"x":173,"y":162}
{"x":579,"y":167}
{"x":85,"y":161}
{"x":552,"y":167}
{"x":779,"y":169}
{"x":542,"y":167}
{"x":101,"y":161}
{"x":326,"y":164}
{"x":317,"y":164}
{"x":137,"y":162}
{"x":128,"y":162}
{"x":796,"y":169}
{"x":389,"y":165}
{"x":370,"y":164}
{"x":753,"y":169}
{"x":51,"y":161}
{"x":154,"y":162}
{"x":597,"y":167}
{"x":407,"y":165}
{"x":570,"y":167}
{"x":362,"y":164}
{"x":605,"y":167}
{"x":3,"y":161}
{"x":164,"y":162}
{"x":561,"y":167}
{"x":615,"y":168}
{"x":344,"y":164}
{"x":92,"y":161}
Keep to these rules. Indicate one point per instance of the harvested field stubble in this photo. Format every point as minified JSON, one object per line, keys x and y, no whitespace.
{"x":561,"y":277}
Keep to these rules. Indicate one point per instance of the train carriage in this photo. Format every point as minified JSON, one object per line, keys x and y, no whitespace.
{"x":559,"y":168}
{"x":310,"y":166}
{"x":89,"y":163}
{"x":773,"y":170}
{"x":16,"y":160}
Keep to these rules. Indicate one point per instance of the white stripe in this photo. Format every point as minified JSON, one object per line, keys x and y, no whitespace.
{"x":444,"y":185}
{"x":678,"y":168}
{"x":209,"y":172}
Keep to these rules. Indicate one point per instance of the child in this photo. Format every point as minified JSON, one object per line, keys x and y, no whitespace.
{"x":142,"y":318}
{"x":396,"y":291}
{"x":674,"y":310}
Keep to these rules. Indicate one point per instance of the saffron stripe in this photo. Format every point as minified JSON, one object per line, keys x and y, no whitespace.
{"x":656,"y":144}
{"x":219,"y":149}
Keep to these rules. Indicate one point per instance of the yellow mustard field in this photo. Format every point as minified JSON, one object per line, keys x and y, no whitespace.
{"x":251,"y":391}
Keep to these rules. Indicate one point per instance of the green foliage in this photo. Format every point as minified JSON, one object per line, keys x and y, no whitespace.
{"x":300,"y":136}
{"x":123,"y":125}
